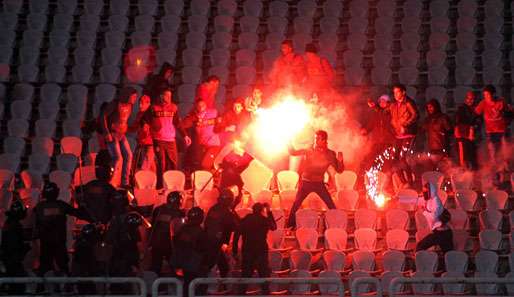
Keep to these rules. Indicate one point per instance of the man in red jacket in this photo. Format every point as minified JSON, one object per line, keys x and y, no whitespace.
{"x":164,"y":122}
{"x":494,"y":111}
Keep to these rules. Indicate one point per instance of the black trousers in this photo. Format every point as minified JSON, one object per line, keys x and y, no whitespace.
{"x":161,"y":252}
{"x":255,"y":261}
{"x":443,"y":239}
{"x":166,"y":158}
{"x":53,"y":252}
{"x":403,"y":147}
{"x":467,"y":153}
{"x":304,"y":189}
{"x":14,"y":268}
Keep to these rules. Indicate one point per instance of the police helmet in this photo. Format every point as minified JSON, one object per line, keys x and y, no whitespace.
{"x":17,"y":210}
{"x":104,"y":172}
{"x":226,"y":197}
{"x":89,"y":231}
{"x":174,"y":199}
{"x":50,"y":191}
{"x":195,"y":216}
{"x":133,"y":220}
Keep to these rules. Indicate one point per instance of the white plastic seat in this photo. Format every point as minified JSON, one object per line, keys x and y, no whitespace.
{"x":38,"y":6}
{"x":174,"y":180}
{"x":71,"y":145}
{"x":347,"y":199}
{"x":278,"y":8}
{"x":256,"y":178}
{"x":466,"y":199}
{"x":57,"y":56}
{"x":114,"y":39}
{"x":18,"y":128}
{"x":336,"y":218}
{"x":307,"y":218}
{"x":191,"y":74}
{"x":84,"y":53}
{"x":490,"y":219}
{"x":144,"y":23}
{"x":249,"y":23}
{"x":167,"y":42}
{"x":118,"y":23}
{"x":58,"y":37}
{"x":36,"y":21}
{"x":111,"y":56}
{"x":147,"y":7}
{"x":332,"y":8}
{"x":306,"y":8}
{"x":200,"y":7}
{"x":12,"y":6}
{"x":29,"y":55}
{"x":6,"y":179}
{"x":303,"y":25}
{"x":222,"y":40}
{"x":277,"y":24}
{"x":300,"y":40}
{"x":14,"y":145}
{"x":45,"y":128}
{"x":82,"y":74}
{"x":9,"y":161}
{"x":140,"y":38}
{"x":186,"y":92}
{"x":23,"y":91}
{"x":20,"y":109}
{"x":192,"y":57}
{"x":220,"y":57}
{"x":396,"y":239}
{"x":39,"y":162}
{"x":89,"y":23}
{"x":221,"y":72}
{"x":384,"y":26}
{"x":195,"y":40}
{"x":248,"y":40}
{"x":365,"y":239}
{"x":28,"y":73}
{"x":93,"y":7}
{"x":146,"y":179}
{"x":329,"y":24}
{"x":67,"y":162}
{"x":174,"y":7}
{"x":245,"y":75}
{"x":252,"y":8}
{"x":164,"y":55}
{"x":109,"y":74}
{"x":7,"y":37}
{"x":67,"y":6}
{"x":336,"y":239}
{"x":71,"y":127}
{"x":365,"y":218}
{"x":120,"y":7}
{"x":307,"y":238}
{"x":345,"y":180}
{"x":223,"y":23}
{"x":43,"y":145}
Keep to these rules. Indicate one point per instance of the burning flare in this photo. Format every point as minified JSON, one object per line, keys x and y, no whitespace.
{"x":275,"y":127}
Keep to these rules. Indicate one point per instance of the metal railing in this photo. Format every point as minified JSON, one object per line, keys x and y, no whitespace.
{"x":398,"y":281}
{"x":79,"y":280}
{"x":268,"y":281}
{"x":359,"y":281}
{"x":164,"y":281}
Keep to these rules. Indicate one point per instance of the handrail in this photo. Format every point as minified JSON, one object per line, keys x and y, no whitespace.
{"x":70,"y":280}
{"x":296,"y":280}
{"x":397,"y":281}
{"x":167,"y":280}
{"x":366,"y":280}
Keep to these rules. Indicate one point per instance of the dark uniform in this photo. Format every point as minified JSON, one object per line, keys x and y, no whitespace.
{"x":14,"y":248}
{"x":96,"y":195}
{"x":50,"y":228}
{"x":220,"y":222}
{"x":164,"y":216}
{"x":191,"y":248}
{"x":85,"y":262}
{"x":254,"y":230}
{"x":233,"y":165}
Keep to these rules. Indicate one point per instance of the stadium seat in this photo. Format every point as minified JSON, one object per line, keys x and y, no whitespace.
{"x":174,"y":7}
{"x":307,"y":218}
{"x":307,"y":239}
{"x":396,"y":239}
{"x":396,"y":219}
{"x":336,"y":239}
{"x":336,"y":218}
{"x":14,"y":145}
{"x":32,"y":179}
{"x":497,"y":199}
{"x":365,"y":218}
{"x":466,"y":200}
{"x":278,"y":8}
{"x":174,"y":180}
{"x":365,"y":239}
{"x":39,"y":162}
{"x":393,"y":260}
{"x":67,"y":162}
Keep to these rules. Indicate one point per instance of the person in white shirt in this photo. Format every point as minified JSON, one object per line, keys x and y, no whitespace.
{"x":438,"y":218}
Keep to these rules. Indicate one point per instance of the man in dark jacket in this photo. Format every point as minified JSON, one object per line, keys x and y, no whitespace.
{"x":163,"y":218}
{"x":191,"y":247}
{"x":254,"y":230}
{"x":115,"y":126}
{"x":232,"y":123}
{"x":157,"y":82}
{"x":50,"y":227}
{"x":437,"y":127}
{"x":14,"y":248}
{"x":467,"y":127}
{"x":220,"y":223}
{"x":315,"y":162}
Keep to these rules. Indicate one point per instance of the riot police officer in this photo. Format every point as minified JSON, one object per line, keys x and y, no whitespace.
{"x":164,"y":218}
{"x":50,"y":227}
{"x":191,"y":249}
{"x":85,"y":262}
{"x":220,"y":223}
{"x":14,"y":248}
{"x":96,"y":195}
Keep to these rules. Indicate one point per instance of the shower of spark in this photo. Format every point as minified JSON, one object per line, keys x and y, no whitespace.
{"x":372,"y":177}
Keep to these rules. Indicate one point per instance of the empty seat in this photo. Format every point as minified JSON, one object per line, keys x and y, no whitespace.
{"x":278,"y":8}
{"x":14,"y":145}
{"x":200,"y":7}
{"x":174,"y":7}
{"x":18,"y":128}
{"x":147,"y":7}
{"x":249,"y":23}
{"x":39,"y":162}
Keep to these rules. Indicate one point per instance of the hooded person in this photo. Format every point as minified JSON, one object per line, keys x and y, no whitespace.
{"x":51,"y":228}
{"x":155,"y":83}
{"x":207,"y":91}
{"x":13,"y":247}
